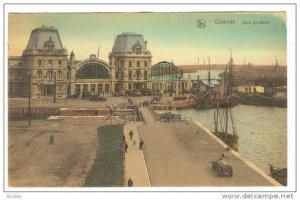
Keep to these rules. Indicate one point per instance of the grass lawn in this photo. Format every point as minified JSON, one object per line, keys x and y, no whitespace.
{"x":108,"y":169}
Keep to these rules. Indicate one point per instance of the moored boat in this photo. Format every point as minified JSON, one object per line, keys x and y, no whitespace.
{"x":279,"y":174}
{"x":223,"y":116}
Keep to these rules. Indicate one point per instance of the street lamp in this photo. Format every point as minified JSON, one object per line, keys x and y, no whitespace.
{"x":29,"y":97}
{"x":54,"y":99}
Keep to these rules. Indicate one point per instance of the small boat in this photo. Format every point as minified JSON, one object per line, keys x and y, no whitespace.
{"x":279,"y":174}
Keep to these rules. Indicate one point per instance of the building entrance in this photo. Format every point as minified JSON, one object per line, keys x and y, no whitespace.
{"x":48,"y":90}
{"x":138,"y":86}
{"x":77,"y":91}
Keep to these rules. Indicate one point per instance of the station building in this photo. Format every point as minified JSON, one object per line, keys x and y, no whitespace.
{"x":47,"y":69}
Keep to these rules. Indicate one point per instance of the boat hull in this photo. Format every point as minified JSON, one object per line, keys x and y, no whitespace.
{"x":184,"y":104}
{"x":231,"y":140}
{"x":261,"y":100}
{"x":229,"y":103}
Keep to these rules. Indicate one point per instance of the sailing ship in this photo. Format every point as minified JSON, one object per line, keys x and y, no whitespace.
{"x":226,"y":95}
{"x":223,"y":117}
{"x":206,"y":100}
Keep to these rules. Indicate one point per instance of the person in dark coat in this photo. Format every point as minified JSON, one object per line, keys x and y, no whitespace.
{"x":131,"y":134}
{"x":129,"y":182}
{"x":126,"y":147}
{"x":141,"y":146}
{"x":51,"y":140}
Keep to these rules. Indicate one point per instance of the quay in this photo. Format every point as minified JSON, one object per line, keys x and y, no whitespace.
{"x":176,"y":154}
{"x":179,"y":154}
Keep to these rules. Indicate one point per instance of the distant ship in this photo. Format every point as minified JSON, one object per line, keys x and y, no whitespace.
{"x":264,"y":100}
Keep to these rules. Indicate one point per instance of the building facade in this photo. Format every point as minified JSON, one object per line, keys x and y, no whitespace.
{"x":43,"y":64}
{"x":130,"y":62}
{"x":45,"y":68}
{"x":90,"y":76}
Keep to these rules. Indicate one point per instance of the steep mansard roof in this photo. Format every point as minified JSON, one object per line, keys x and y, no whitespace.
{"x":41,"y":35}
{"x":124,"y":42}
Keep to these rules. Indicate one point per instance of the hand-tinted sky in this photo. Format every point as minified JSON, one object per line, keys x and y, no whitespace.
{"x":170,"y":36}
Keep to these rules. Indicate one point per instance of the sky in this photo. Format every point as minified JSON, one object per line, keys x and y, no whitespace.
{"x":170,"y":36}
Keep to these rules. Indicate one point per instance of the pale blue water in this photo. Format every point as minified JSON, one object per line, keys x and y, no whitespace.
{"x":203,"y":74}
{"x":262,"y":132}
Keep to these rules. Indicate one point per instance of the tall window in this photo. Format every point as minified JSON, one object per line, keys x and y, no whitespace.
{"x":40,"y":62}
{"x":145,"y":64}
{"x":11,"y":74}
{"x":50,"y":75}
{"x":68,"y":75}
{"x":145,"y":75}
{"x":138,"y":63}
{"x":129,"y":75}
{"x":130,"y":64}
{"x":93,"y":87}
{"x":59,"y":63}
{"x":138,"y":74}
{"x":39,"y":75}
{"x":59,"y":74}
{"x":59,"y":89}
{"x":49,"y":63}
{"x":138,"y":50}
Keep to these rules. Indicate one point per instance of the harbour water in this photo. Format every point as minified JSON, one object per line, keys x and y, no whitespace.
{"x":262,"y":132}
{"x":203,"y":74}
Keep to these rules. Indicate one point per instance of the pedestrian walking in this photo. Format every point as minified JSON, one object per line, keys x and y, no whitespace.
{"x":124,"y":138}
{"x":126,"y":147}
{"x":131,"y":134}
{"x":51,"y":139}
{"x":129,"y":182}
{"x":141,"y":146}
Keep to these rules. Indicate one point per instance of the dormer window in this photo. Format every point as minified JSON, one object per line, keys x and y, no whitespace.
{"x":137,"y":48}
{"x":49,"y":45}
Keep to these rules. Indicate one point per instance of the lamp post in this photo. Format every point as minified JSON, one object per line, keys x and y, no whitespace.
{"x":54,"y":99}
{"x":29,"y":97}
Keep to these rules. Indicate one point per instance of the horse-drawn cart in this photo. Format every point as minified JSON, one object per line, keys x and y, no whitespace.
{"x":222,"y":168}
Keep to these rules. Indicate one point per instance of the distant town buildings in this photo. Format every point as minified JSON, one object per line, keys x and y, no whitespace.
{"x":251,"y":89}
{"x":47,"y":70}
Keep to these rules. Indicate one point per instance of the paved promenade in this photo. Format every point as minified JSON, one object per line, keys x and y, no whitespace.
{"x":135,"y":167}
{"x":176,"y":155}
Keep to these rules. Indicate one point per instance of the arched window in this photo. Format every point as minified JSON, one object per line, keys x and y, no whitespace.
{"x":92,"y":70}
{"x":165,"y":71}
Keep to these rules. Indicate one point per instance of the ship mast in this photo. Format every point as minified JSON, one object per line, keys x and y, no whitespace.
{"x":229,"y":89}
{"x":274,"y":78}
{"x":209,"y":74}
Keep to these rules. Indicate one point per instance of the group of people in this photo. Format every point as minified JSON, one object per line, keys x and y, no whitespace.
{"x":144,"y":103}
{"x":141,"y":144}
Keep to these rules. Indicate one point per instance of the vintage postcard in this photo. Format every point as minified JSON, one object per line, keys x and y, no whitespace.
{"x":144,"y":99}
